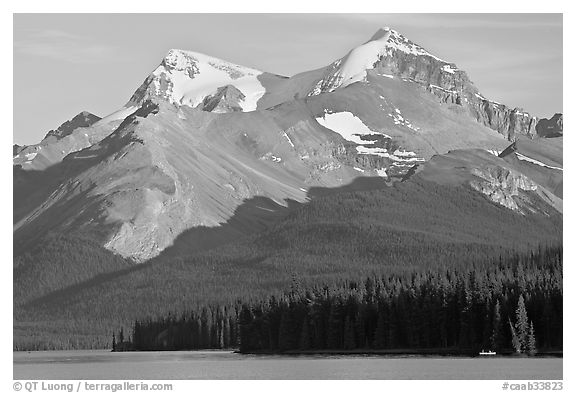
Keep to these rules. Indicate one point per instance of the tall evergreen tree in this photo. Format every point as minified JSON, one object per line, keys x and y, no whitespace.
{"x":531,"y":341}
{"x":380,"y":332}
{"x":245,"y":321}
{"x":287,"y":334}
{"x":515,"y":340}
{"x":522,"y":324}
{"x":496,"y":338}
{"x":335,"y":326}
{"x":305,"y":342}
{"x":349,"y":336}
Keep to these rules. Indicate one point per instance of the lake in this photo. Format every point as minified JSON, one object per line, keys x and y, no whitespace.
{"x":102,"y":364}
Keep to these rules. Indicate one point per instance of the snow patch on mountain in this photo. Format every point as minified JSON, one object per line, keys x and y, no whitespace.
{"x":449,"y":68}
{"x":288,"y":138}
{"x":397,"y":41}
{"x":399,"y":120}
{"x":382,"y":172}
{"x":443,"y":89}
{"x":352,"y":129}
{"x":522,"y":157}
{"x":271,"y":157}
{"x":120,"y":114}
{"x":347,"y":125}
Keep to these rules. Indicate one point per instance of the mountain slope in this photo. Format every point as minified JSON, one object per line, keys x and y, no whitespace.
{"x":58,"y":262}
{"x":338,"y":234}
{"x":83,"y":119}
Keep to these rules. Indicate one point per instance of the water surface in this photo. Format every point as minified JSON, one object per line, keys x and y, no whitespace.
{"x":102,"y":364}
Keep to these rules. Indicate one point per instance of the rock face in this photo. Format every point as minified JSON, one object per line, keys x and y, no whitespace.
{"x":501,"y":185}
{"x":16,"y":149}
{"x":550,"y":128}
{"x":227,"y":99}
{"x":83,"y":119}
{"x":390,"y":53}
{"x":453,"y":86}
{"x":504,"y":181}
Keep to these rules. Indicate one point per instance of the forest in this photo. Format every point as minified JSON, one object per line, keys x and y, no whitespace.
{"x":72,"y":293}
{"x":509,"y":305}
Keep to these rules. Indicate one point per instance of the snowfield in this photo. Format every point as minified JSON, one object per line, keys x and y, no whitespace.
{"x":194,"y":76}
{"x":352,"y":128}
{"x":522,"y":157}
{"x":347,"y":125}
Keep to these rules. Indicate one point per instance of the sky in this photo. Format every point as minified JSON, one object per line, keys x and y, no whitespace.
{"x":67,"y":63}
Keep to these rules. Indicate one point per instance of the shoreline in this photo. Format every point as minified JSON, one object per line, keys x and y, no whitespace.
{"x":334,"y":352}
{"x":406,"y":352}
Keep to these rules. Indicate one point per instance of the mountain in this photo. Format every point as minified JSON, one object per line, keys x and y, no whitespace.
{"x":83,"y":119}
{"x":201,"y":135}
{"x":216,"y":181}
{"x":73,"y":135}
{"x":550,"y":128}
{"x":390,"y":54}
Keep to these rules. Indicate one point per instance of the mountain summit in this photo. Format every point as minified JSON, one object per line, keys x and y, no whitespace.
{"x":353,"y":67}
{"x":188,"y":78}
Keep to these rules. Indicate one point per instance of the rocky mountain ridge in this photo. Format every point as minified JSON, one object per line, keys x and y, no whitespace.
{"x":400,"y":57}
{"x":81,"y":120}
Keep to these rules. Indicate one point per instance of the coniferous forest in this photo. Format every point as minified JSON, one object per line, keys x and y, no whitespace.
{"x":513,"y":304}
{"x":72,"y":293}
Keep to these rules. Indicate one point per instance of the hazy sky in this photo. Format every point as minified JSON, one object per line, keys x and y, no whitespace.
{"x":67,"y":63}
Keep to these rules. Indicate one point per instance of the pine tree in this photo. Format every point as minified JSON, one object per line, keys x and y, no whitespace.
{"x":113,"y":342}
{"x":287,"y":338}
{"x":245,"y":320}
{"x":305,"y":342}
{"x":515,"y":341}
{"x":496,"y":338}
{"x":522,"y":323}
{"x":380,"y":332}
{"x":349,"y":339}
{"x":531,"y":341}
{"x":334,"y":333}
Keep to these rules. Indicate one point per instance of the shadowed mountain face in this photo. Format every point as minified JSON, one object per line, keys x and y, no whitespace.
{"x":550,"y":128}
{"x":201,"y":136}
{"x":81,"y":120}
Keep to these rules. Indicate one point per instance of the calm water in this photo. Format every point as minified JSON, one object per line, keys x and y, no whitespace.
{"x":227,"y":365}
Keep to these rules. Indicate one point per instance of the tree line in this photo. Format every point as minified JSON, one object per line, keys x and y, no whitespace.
{"x":511,"y":304}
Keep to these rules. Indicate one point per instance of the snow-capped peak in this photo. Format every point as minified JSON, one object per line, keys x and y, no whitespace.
{"x":183,"y":60}
{"x":397,"y":41}
{"x":352,"y":67}
{"x":187,"y":78}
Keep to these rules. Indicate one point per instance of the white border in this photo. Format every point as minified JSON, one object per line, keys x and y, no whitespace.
{"x":309,"y":6}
